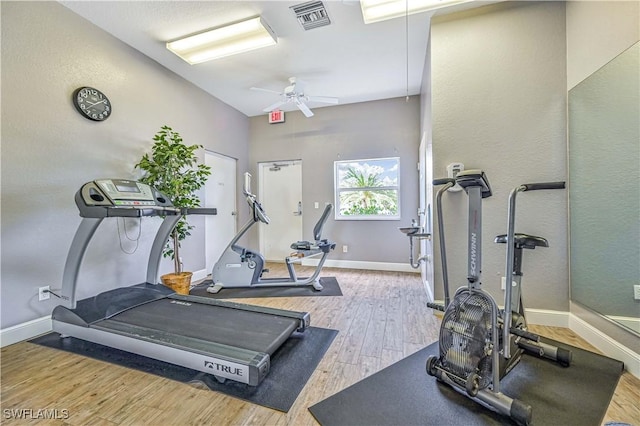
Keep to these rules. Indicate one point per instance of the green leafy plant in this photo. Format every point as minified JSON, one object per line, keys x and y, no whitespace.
{"x":172,"y":168}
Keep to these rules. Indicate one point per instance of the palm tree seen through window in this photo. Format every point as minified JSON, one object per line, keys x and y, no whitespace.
{"x":367,"y":189}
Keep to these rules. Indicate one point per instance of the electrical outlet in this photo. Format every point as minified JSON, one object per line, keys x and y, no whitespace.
{"x":503,"y":286}
{"x":345,"y":249}
{"x":43,"y":293}
{"x":636,"y":292}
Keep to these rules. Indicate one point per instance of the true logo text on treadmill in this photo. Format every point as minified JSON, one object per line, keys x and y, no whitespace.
{"x":216,"y":367}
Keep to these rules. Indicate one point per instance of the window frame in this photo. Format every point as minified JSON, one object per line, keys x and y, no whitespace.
{"x":337,"y":190}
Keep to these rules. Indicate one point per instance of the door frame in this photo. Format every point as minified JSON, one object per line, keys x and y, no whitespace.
{"x":425,"y":215}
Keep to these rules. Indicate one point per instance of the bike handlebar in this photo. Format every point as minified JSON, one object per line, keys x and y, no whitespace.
{"x":443,"y":181}
{"x":544,"y":185}
{"x":511,"y":221}
{"x":247,"y":184}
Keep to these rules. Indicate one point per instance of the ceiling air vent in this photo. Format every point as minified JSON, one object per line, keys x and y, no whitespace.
{"x":311,"y":15}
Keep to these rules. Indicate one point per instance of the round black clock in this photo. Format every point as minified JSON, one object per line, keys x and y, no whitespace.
{"x":92,"y":103}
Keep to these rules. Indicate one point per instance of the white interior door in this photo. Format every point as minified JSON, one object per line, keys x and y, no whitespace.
{"x":425,"y":215}
{"x":280,"y":186}
{"x":220,"y":192}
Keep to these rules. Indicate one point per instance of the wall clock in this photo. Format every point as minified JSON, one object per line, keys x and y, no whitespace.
{"x":92,"y":103}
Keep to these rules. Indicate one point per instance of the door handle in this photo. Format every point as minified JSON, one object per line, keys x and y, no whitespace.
{"x":299,"y":212}
{"x":234,"y":213}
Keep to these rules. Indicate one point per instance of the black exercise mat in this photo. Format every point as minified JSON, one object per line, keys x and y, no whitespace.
{"x":404,"y":394}
{"x":291,"y":366}
{"x":330,"y":288}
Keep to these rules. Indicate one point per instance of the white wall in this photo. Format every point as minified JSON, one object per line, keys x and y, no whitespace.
{"x":499,"y":104}
{"x":386,"y":128}
{"x":49,"y":150}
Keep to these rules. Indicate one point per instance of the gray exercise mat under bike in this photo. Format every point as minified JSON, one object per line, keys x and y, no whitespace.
{"x":291,"y":366}
{"x":330,"y":288}
{"x":403,"y":394}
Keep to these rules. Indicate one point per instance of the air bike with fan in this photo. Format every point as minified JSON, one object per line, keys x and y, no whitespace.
{"x":479,"y":343}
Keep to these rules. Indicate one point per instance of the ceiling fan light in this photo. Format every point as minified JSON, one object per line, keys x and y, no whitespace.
{"x":381,"y":10}
{"x":224,"y":41}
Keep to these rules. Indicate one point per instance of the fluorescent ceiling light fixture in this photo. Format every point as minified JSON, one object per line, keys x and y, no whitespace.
{"x":224,"y":41}
{"x":381,"y":10}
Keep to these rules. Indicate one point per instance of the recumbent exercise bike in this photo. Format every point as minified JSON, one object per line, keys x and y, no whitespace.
{"x":241,"y":267}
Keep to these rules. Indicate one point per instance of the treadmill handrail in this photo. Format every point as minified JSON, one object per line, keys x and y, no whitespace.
{"x":169,"y":222}
{"x":78,"y":248}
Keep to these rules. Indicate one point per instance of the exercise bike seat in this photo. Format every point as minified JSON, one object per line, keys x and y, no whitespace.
{"x":308,"y":248}
{"x":523,"y":241}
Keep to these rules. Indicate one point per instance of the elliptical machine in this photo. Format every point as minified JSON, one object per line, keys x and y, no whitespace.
{"x":240,"y":267}
{"x":479,"y":344}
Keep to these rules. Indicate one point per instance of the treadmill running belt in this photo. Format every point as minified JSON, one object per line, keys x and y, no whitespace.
{"x":255,"y":331}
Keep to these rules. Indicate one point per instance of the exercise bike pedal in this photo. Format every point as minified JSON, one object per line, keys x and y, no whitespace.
{"x":214,"y":289}
{"x":436,"y":306}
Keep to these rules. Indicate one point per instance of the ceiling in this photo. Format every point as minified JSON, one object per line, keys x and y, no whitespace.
{"x":346,"y":59}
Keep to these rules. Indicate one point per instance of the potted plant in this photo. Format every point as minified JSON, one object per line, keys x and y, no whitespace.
{"x":172,"y":168}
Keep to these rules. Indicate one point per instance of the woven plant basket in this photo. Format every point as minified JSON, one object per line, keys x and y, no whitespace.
{"x":180,"y":282}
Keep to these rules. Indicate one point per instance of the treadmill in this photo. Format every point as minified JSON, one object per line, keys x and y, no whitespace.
{"x":226,"y":339}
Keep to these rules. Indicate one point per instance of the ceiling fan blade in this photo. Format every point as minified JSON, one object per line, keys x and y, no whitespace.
{"x":305,"y":109}
{"x":274,"y":106}
{"x":260,"y":89}
{"x":323,"y":99}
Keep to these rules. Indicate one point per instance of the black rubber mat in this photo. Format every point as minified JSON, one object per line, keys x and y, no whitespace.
{"x":330,"y":288}
{"x":403,"y":394}
{"x":291,"y":366}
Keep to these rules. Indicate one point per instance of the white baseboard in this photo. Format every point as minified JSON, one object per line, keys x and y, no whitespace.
{"x":25,"y":331}
{"x":629,"y":322}
{"x":357,"y":264}
{"x":199,"y":275}
{"x":547,"y":317}
{"x":543,"y":317}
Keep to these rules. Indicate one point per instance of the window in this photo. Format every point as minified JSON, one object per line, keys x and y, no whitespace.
{"x":367,"y":189}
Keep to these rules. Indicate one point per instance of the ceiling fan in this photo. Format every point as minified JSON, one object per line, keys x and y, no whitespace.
{"x":294,"y":93}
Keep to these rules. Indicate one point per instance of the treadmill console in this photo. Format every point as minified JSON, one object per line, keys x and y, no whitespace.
{"x":121,"y":197}
{"x":127,"y":192}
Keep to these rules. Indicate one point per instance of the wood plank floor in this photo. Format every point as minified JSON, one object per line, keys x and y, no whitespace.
{"x":382,"y":318}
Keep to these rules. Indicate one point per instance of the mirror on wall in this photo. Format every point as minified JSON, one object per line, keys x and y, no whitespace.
{"x":604,"y":191}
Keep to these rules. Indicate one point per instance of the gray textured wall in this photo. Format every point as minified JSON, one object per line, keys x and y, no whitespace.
{"x":499,"y":104}
{"x":49,"y":150}
{"x":387,"y":128}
